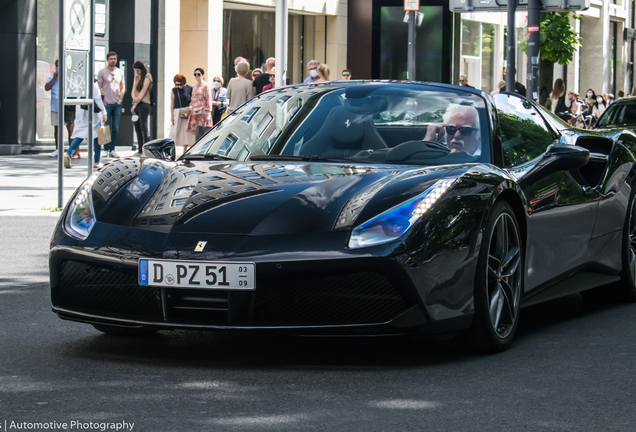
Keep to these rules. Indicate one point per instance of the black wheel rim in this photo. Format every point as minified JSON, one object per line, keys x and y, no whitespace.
{"x":504,"y":275}
{"x":631,"y":240}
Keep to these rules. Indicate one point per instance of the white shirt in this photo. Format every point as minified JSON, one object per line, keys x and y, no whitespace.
{"x":80,"y":130}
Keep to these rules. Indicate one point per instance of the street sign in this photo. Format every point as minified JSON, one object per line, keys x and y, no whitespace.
{"x":411,"y":5}
{"x":78,"y":25}
{"x":522,"y":5}
{"x":76,"y":74}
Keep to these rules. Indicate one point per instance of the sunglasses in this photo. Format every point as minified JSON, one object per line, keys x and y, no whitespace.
{"x":462,"y":80}
{"x":346,"y":75}
{"x":464,"y":130}
{"x":198,"y":74}
{"x":179,"y":84}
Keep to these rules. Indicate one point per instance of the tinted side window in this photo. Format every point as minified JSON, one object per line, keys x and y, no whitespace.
{"x":524,"y":134}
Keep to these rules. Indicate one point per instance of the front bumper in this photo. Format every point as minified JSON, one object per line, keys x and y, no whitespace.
{"x":362,"y":295}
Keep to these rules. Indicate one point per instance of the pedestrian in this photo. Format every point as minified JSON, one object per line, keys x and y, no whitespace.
{"x":112,"y":85}
{"x":633,"y":93}
{"x":519,"y":88}
{"x":272,"y":80}
{"x":621,"y":94}
{"x":559,"y":103}
{"x":575,"y":106}
{"x":80,"y":131}
{"x":220,"y":101}
{"x":312,"y":67}
{"x":501,"y":85}
{"x":142,"y":86}
{"x":263,"y":79}
{"x":590,"y":94}
{"x":256,"y":72}
{"x":180,"y":110}
{"x":239,"y":89}
{"x":69,"y":111}
{"x":609,"y":98}
{"x":201,"y":104}
{"x":238,"y":60}
{"x":599,"y":107}
{"x":346,"y":74}
{"x":463,"y":81}
{"x":323,"y":73}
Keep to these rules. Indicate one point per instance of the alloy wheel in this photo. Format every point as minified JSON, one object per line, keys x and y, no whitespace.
{"x":504,"y":273}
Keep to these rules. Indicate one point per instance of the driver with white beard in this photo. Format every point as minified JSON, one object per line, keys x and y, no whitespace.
{"x":460,"y":130}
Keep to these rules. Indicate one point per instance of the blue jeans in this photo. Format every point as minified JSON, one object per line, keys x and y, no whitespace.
{"x":114,"y":113}
{"x":77,"y":141}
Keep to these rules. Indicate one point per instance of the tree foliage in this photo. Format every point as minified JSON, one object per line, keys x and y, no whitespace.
{"x":558,"y":39}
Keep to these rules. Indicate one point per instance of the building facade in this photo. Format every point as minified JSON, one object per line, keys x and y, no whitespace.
{"x":369,"y":37}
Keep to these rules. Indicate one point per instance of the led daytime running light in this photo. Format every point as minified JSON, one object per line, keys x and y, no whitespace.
{"x":80,"y":217}
{"x":393,"y":223}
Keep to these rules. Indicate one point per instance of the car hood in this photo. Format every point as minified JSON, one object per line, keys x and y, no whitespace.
{"x":255,"y":198}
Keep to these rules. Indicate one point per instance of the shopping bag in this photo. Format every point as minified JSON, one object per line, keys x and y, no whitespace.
{"x":103,"y":135}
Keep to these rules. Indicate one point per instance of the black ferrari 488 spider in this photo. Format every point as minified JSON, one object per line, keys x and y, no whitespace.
{"x":359,"y":207}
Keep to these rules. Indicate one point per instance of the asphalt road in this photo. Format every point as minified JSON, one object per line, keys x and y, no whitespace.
{"x":571,"y":369}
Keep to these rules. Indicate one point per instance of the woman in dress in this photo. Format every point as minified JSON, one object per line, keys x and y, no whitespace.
{"x":200,"y":104}
{"x":180,"y":109}
{"x":141,"y":102}
{"x":80,"y":130}
{"x":239,"y":89}
{"x":219,"y":99}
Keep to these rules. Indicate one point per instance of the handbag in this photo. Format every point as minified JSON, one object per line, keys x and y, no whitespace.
{"x":103,"y":135}
{"x":182,"y":114}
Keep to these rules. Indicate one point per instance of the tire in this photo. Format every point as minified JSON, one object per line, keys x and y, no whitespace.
{"x":499,"y":284}
{"x":625,"y":289}
{"x":125,"y":331}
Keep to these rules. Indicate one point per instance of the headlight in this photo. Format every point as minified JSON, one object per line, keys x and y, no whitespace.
{"x":393,"y":223}
{"x":80,"y":217}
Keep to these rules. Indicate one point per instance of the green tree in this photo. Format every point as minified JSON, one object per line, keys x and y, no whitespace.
{"x":558,"y":38}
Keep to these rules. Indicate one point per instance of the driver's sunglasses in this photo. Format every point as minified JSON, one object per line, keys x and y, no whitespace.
{"x":464,"y":130}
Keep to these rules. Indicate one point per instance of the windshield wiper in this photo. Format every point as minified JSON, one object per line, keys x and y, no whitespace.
{"x":209,"y":156}
{"x":288,"y":158}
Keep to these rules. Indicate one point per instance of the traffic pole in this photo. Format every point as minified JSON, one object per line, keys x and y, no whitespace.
{"x":511,"y":70}
{"x":411,"y":48}
{"x":60,"y":110}
{"x":282,"y":24}
{"x":534,"y":48}
{"x":91,"y":74}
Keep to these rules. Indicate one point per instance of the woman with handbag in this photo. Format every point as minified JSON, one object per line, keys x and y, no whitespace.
{"x":180,"y":108}
{"x":220,"y":101}
{"x":200,"y":104}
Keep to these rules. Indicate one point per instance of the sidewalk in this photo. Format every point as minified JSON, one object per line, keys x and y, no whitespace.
{"x":28,"y":182}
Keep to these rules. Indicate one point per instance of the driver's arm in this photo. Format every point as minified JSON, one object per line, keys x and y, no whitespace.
{"x":434,"y":132}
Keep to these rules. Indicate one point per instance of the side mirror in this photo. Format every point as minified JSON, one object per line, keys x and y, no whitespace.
{"x":558,"y":157}
{"x":160,"y":149}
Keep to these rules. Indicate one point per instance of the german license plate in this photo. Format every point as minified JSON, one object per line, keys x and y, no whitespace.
{"x":196,"y":274}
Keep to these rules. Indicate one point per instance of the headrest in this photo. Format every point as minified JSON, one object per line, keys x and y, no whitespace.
{"x":346,"y":128}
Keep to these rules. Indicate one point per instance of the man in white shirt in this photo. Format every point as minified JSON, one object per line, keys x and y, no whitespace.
{"x":112,"y":85}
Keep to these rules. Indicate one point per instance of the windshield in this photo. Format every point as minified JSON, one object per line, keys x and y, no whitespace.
{"x":358,"y":122}
{"x":618,"y":115}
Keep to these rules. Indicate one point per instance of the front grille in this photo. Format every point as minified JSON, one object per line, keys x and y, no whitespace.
{"x":353,"y":298}
{"x":90,"y":288}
